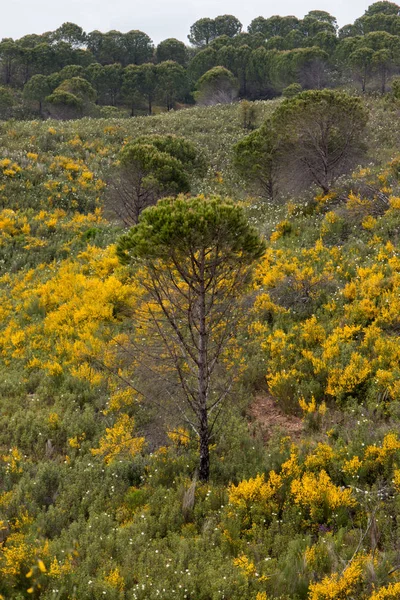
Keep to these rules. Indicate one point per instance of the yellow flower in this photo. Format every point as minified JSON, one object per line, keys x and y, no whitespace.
{"x":180,"y":437}
{"x":115,"y":580}
{"x":339,"y":587}
{"x":245,"y":565}
{"x":317,"y":493}
{"x":119,"y":440}
{"x":391,"y":592}
{"x":254,"y":490}
{"x":352,"y":466}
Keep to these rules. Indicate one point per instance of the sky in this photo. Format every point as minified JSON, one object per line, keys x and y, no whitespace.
{"x":160,"y":19}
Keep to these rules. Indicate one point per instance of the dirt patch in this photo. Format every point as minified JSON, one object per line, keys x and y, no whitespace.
{"x":267,"y":415}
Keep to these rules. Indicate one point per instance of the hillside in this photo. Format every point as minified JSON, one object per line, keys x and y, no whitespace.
{"x":98,"y":489}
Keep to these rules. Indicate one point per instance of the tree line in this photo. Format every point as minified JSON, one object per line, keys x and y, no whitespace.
{"x":67,"y":72}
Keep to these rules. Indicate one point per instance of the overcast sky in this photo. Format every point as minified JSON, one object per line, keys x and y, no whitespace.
{"x":160,"y":19}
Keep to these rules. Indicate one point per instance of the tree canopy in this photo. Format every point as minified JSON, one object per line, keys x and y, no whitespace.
{"x":149,"y":168}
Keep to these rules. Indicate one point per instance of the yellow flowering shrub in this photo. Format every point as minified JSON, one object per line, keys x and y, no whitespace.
{"x":16,"y":555}
{"x":119,"y":441}
{"x":339,"y":586}
{"x":311,"y":408}
{"x":255,"y":490}
{"x":13,"y":461}
{"x":115,"y":580}
{"x":245,"y":565}
{"x":388,"y":450}
{"x":58,"y":569}
{"x":180,"y":436}
{"x":352,"y":466}
{"x":322,"y":456}
{"x":391,"y":592}
{"x":317,"y":494}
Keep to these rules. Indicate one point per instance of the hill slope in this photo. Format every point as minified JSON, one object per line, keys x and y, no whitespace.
{"x":86,"y":511}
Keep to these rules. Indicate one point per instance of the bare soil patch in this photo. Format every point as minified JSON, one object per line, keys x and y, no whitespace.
{"x":268,"y":416}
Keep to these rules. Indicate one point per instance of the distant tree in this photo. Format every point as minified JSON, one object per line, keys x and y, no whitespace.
{"x":6,"y":102}
{"x":79,"y":87}
{"x":220,"y":42}
{"x":310,"y":26}
{"x":31,"y":40}
{"x":131,"y":87}
{"x":383,"y":62}
{"x":37,"y":89}
{"x":321,"y":135}
{"x":95,"y":74}
{"x":247,"y":39}
{"x":138,"y":48}
{"x":227,"y":25}
{"x":257,"y":160}
{"x":64,"y":105}
{"x":202,"y":32}
{"x":241,"y":67}
{"x":323,"y":17}
{"x":196,"y":257}
{"x":172,"y":49}
{"x":277,"y":42}
{"x":71,"y":98}
{"x":149,"y":168}
{"x":313,"y":68}
{"x":274,"y":26}
{"x":25,"y":63}
{"x":148,"y":83}
{"x":361,"y":64}
{"x":296,"y":39}
{"x":134,"y":47}
{"x":325,"y":40}
{"x":306,"y":66}
{"x":227,"y":57}
{"x":202,"y":62}
{"x":292,"y":90}
{"x":112,"y":83}
{"x":217,"y":86}
{"x":70,"y":33}
{"x":248,"y":114}
{"x":395,"y":83}
{"x":72,"y":71}
{"x":172,"y":82}
{"x":386,"y":8}
{"x":9,"y":54}
{"x":379,"y":22}
{"x":107,"y":48}
{"x":259,"y":72}
{"x":347,"y":31}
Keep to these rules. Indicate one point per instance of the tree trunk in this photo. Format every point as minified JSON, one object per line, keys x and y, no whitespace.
{"x":204,"y":467}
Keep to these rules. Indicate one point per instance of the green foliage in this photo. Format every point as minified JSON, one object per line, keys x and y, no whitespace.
{"x":152,"y":167}
{"x":79,"y":87}
{"x":292,"y":90}
{"x":182,"y":224}
{"x":396,"y":87}
{"x":6,"y":101}
{"x":322,"y":133}
{"x":217,"y":86}
{"x":172,"y":49}
{"x":256,"y":160}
